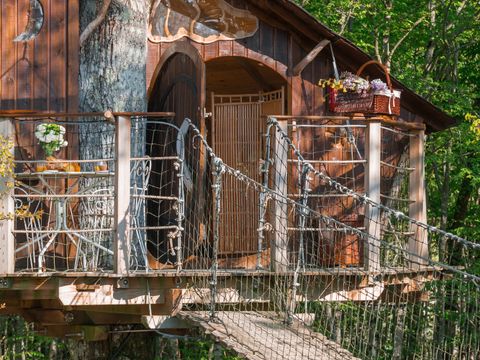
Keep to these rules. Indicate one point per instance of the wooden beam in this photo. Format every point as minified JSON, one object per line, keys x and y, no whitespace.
{"x":122,"y":195}
{"x":7,"y":206}
{"x":373,"y":219}
{"x":370,"y":293}
{"x":418,"y":243}
{"x":84,"y":332}
{"x":297,"y":70}
{"x":109,"y":295}
{"x":279,"y":245}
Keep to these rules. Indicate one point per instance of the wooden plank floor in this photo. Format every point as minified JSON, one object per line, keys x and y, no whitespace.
{"x":262,"y":336}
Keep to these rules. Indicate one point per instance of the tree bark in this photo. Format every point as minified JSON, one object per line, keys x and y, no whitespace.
{"x":113,"y":58}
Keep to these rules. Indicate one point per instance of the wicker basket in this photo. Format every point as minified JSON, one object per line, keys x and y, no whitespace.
{"x":384,"y":102}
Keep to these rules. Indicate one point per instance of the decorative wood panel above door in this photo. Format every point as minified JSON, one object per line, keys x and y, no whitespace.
{"x":203,"y":21}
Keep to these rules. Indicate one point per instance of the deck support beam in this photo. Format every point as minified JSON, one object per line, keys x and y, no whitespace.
{"x":7,"y":206}
{"x":372,"y":187}
{"x":122,"y":197}
{"x":418,"y":243}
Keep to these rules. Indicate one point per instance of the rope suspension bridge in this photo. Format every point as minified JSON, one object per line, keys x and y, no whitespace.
{"x":314,"y":251}
{"x":399,"y":304}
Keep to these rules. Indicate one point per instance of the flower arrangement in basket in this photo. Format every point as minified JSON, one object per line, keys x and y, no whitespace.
{"x":353,"y":94}
{"x":51,"y":138}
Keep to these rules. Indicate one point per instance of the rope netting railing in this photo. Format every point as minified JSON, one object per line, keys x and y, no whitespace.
{"x":310,"y":260}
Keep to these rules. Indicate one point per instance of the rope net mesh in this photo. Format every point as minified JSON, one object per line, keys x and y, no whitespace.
{"x":285,"y":259}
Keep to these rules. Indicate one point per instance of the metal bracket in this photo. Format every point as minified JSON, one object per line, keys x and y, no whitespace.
{"x":123,"y":283}
{"x":5,"y":283}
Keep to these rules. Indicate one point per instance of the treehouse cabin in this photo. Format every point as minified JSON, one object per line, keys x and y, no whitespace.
{"x":235,"y":172}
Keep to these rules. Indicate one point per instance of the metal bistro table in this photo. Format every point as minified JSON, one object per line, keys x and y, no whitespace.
{"x":60,"y":188}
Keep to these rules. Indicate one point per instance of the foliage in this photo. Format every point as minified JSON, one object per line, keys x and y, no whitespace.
{"x":453,"y":169}
{"x":7,"y":182}
{"x":19,"y":341}
{"x":6,"y":165}
{"x":431,"y":45}
{"x":203,"y":350}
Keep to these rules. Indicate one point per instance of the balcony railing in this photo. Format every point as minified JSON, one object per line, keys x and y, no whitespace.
{"x":143,"y":193}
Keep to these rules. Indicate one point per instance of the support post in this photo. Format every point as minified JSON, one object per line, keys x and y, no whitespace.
{"x":217,"y":193}
{"x":373,"y":149}
{"x":7,"y":206}
{"x":122,"y":195}
{"x":279,"y":246}
{"x":418,"y":243}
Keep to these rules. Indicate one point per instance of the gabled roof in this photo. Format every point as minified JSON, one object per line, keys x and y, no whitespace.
{"x":350,"y":54}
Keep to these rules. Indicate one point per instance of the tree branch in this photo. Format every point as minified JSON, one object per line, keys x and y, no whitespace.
{"x":95,"y":23}
{"x":377,"y":48}
{"x":402,"y":39}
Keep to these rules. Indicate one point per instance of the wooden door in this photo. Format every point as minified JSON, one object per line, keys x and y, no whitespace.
{"x":180,"y":88}
{"x":237,"y":137}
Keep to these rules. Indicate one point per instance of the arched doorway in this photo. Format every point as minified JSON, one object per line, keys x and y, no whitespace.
{"x":240,"y":94}
{"x":178,"y":87}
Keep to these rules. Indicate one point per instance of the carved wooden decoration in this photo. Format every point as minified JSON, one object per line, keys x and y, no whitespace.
{"x":203,"y":21}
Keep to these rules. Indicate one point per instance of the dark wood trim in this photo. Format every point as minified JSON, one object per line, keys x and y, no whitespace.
{"x":73,"y":58}
{"x":42,"y":115}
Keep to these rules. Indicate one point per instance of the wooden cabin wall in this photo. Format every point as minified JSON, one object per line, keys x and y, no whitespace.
{"x":41,"y":74}
{"x":280,"y":48}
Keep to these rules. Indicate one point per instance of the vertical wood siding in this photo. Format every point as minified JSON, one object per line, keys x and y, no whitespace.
{"x":41,"y":74}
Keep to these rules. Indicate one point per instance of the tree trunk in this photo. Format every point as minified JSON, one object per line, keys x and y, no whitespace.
{"x":112,"y":76}
{"x":113,"y":58}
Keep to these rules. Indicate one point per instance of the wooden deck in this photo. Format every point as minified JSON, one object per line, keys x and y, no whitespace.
{"x":61,"y":303}
{"x":263,"y":336}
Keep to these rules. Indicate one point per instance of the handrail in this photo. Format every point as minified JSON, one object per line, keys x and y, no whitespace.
{"x":383,"y":119}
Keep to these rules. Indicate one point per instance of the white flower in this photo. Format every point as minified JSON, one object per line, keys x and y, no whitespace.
{"x":65,"y":143}
{"x":40,"y":136}
{"x":50,"y":137}
{"x":42,"y":127}
{"x":61,"y":129}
